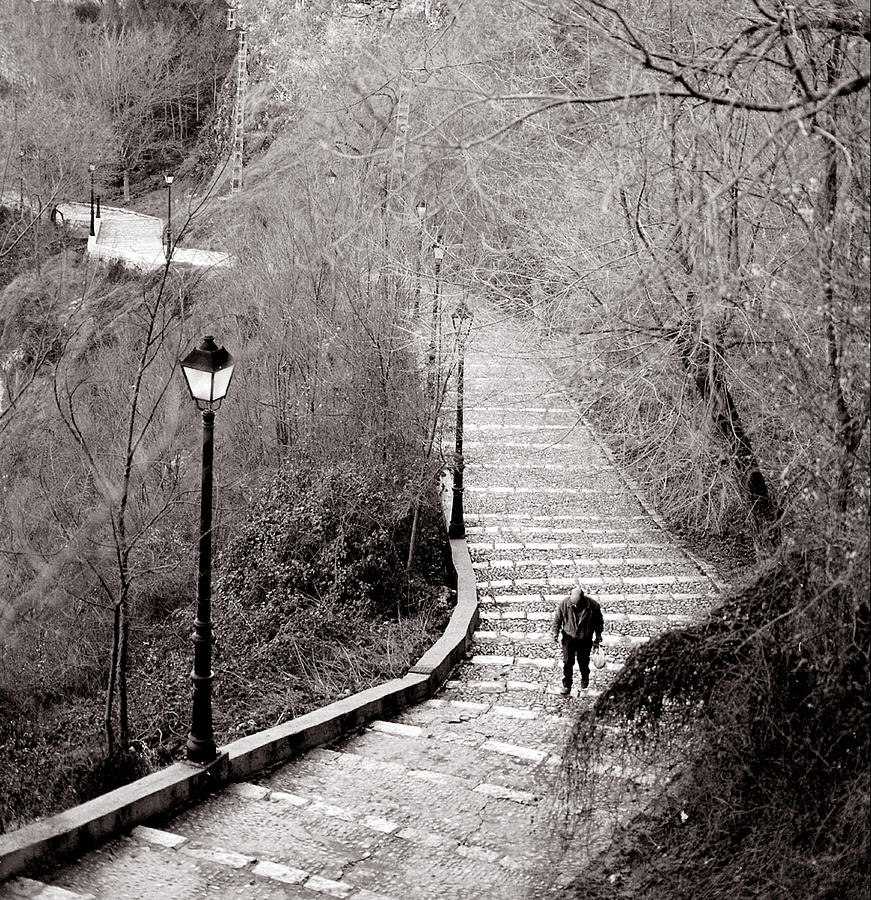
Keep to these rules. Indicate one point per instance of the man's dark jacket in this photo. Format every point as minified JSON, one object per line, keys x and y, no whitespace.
{"x":579,"y":622}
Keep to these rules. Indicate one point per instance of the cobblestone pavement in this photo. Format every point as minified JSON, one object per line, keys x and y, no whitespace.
{"x":451,"y":798}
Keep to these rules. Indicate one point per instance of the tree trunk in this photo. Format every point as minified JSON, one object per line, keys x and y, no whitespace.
{"x":123,"y":719}
{"x":108,"y":718}
{"x":849,"y":428}
{"x":702,"y":361}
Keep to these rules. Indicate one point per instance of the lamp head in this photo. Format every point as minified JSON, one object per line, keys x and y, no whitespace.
{"x":421,"y":210}
{"x":91,"y":168}
{"x":438,"y":252}
{"x":169,"y":179}
{"x":208,"y":370}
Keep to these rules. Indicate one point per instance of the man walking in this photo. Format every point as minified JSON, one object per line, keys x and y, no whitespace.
{"x":577,"y":618}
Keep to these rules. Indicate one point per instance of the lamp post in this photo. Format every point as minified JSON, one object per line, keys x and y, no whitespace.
{"x":421,"y":215}
{"x":168,"y":179}
{"x":21,"y":181}
{"x":438,"y":252}
{"x":207,"y":370}
{"x":91,"y":168}
{"x":462,"y":321}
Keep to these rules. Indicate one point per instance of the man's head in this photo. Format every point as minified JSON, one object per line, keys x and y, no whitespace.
{"x":576,"y":596}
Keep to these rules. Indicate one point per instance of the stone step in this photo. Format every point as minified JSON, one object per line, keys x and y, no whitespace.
{"x":542,"y":689}
{"x":541,"y":607}
{"x":458,"y":785}
{"x":539,"y":634}
{"x":596,"y":585}
{"x":541,"y":479}
{"x":362,"y":779}
{"x":18,"y":888}
{"x":625,"y":624}
{"x":505,"y":447}
{"x":496,"y":492}
{"x":514,"y":423}
{"x":539,"y":644}
{"x":595,"y":545}
{"x":535,"y":493}
{"x":532,"y":728}
{"x":555,"y":522}
{"x":155,"y":862}
{"x":477,"y":738}
{"x":498,"y":565}
{"x":533,"y":694}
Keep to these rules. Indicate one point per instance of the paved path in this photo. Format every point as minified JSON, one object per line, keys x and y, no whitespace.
{"x":133,"y":237}
{"x":450,"y":798}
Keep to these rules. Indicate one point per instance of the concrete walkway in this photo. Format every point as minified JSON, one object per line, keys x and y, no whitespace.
{"x":131,"y":237}
{"x":451,"y":798}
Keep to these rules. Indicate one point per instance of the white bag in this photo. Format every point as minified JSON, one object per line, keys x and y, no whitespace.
{"x":598,"y":658}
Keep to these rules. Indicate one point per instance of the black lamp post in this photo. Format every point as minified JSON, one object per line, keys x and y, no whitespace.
{"x":91,"y":170}
{"x":421,"y":215}
{"x":438,"y":252}
{"x":168,"y":179}
{"x":21,"y":181}
{"x":462,"y":321}
{"x":208,"y":371}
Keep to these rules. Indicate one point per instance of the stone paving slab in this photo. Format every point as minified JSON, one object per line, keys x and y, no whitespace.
{"x":127,"y":870}
{"x":541,"y":732}
{"x":305,"y":837}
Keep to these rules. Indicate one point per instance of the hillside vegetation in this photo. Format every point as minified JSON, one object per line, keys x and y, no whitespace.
{"x":329,"y":566}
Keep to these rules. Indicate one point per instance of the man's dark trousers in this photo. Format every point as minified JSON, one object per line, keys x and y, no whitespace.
{"x":580,"y":648}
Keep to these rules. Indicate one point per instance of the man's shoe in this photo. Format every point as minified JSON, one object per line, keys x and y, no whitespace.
{"x":564,"y":690}
{"x":585,"y":682}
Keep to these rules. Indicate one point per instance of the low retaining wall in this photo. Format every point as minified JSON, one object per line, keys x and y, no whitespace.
{"x":47,"y":841}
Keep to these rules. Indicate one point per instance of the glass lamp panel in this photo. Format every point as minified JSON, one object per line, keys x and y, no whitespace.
{"x":200,"y":383}
{"x":222,"y":383}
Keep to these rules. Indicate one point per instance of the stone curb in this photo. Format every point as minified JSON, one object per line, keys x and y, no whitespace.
{"x":70,"y":833}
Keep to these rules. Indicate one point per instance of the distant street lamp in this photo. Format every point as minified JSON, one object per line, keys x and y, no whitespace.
{"x":438,"y":252}
{"x":168,"y":179}
{"x":91,"y":168}
{"x":207,"y":370}
{"x":462,"y":321}
{"x":421,"y":215}
{"x":21,"y":181}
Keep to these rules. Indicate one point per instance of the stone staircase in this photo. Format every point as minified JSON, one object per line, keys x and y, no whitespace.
{"x":452,"y":798}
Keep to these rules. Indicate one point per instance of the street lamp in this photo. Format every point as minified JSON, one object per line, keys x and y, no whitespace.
{"x":168,"y":179}
{"x":462,"y":321}
{"x":91,"y":168}
{"x":21,"y":181}
{"x":438,"y":252}
{"x":207,"y":370}
{"x":421,"y":215}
